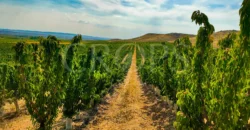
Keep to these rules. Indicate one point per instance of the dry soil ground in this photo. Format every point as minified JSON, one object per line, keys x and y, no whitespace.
{"x":133,"y":107}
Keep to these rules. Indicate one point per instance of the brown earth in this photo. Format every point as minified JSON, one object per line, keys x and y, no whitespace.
{"x":23,"y":121}
{"x":11,"y":121}
{"x":133,"y":107}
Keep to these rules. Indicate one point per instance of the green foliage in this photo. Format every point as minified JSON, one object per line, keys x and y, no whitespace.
{"x":44,"y":92}
{"x":19,"y":49}
{"x":202,"y":19}
{"x":228,"y":41}
{"x":245,"y":18}
{"x":74,"y":91}
{"x":13,"y":86}
{"x":210,"y":86}
{"x":47,"y":76}
{"x":76,"y":39}
{"x":17,"y":79}
{"x":203,"y":37}
{"x":5,"y":94}
{"x":183,"y":45}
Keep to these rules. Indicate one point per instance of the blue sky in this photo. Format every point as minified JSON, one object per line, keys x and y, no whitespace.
{"x":116,"y":18}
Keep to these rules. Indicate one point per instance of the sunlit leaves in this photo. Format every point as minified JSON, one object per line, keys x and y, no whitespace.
{"x":245,"y":18}
{"x":228,"y":41}
{"x":211,"y":84}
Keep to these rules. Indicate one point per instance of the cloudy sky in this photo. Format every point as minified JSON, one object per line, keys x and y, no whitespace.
{"x":116,"y":18}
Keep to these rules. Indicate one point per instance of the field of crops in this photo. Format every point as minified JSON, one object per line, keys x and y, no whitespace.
{"x":203,"y":87}
{"x":210,"y":86}
{"x":50,"y":74}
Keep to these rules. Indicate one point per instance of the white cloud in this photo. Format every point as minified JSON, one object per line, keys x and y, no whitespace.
{"x":115,"y":19}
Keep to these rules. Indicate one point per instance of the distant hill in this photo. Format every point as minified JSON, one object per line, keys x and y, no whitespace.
{"x":150,"y":37}
{"x":153,"y":37}
{"x":114,"y":40}
{"x":171,"y":37}
{"x":28,"y":33}
{"x":222,"y":34}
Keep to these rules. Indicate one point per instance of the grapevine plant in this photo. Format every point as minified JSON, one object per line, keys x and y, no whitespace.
{"x":209,"y":85}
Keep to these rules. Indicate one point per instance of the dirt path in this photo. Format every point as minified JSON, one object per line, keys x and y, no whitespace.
{"x":132,"y":107}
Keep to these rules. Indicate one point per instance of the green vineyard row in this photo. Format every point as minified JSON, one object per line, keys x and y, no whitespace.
{"x":49,"y":75}
{"x":210,"y":86}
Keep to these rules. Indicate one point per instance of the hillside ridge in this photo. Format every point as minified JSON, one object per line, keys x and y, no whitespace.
{"x":171,"y":37}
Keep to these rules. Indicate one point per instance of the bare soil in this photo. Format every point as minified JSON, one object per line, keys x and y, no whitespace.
{"x":133,"y":107}
{"x":22,"y":121}
{"x":11,"y":121}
